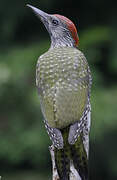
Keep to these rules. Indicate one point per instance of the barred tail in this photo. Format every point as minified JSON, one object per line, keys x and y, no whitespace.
{"x":79,"y":157}
{"x":76,"y":153}
{"x":62,"y":163}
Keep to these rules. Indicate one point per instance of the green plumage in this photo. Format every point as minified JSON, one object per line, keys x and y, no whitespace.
{"x":62,"y":79}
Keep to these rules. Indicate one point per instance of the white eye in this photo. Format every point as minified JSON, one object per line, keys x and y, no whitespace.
{"x":55,"y":22}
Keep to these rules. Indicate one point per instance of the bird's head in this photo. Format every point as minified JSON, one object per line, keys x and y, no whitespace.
{"x":62,"y":30}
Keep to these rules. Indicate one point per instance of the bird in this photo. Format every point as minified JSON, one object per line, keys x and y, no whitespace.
{"x":63,"y":80}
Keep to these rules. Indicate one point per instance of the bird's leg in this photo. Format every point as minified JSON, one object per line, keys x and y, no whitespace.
{"x":74,"y":132}
{"x":86,"y":131}
{"x":81,"y":126}
{"x":55,"y":135}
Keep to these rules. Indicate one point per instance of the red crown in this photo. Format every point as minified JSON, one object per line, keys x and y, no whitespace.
{"x":71,"y":27}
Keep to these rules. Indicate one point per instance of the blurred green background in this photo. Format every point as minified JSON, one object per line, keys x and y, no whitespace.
{"x":24,"y":153}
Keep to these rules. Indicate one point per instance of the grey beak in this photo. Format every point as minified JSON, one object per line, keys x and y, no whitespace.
{"x":42,"y":15}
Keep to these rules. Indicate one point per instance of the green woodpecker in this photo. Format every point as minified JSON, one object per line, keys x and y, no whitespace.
{"x":63,"y":80}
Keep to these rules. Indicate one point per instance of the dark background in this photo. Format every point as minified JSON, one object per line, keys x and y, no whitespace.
{"x":24,"y":142}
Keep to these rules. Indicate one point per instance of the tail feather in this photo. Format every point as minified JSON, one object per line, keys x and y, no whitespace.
{"x":76,"y":153}
{"x":80,"y":160}
{"x":62,"y":163}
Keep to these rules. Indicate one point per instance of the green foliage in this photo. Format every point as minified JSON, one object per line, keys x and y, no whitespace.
{"x":21,"y":120}
{"x":26,"y":175}
{"x":95,"y":36}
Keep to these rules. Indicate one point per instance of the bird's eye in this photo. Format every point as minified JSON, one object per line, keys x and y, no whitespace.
{"x":54,"y":22}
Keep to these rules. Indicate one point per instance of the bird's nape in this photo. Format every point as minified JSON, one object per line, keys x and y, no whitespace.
{"x":71,"y":27}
